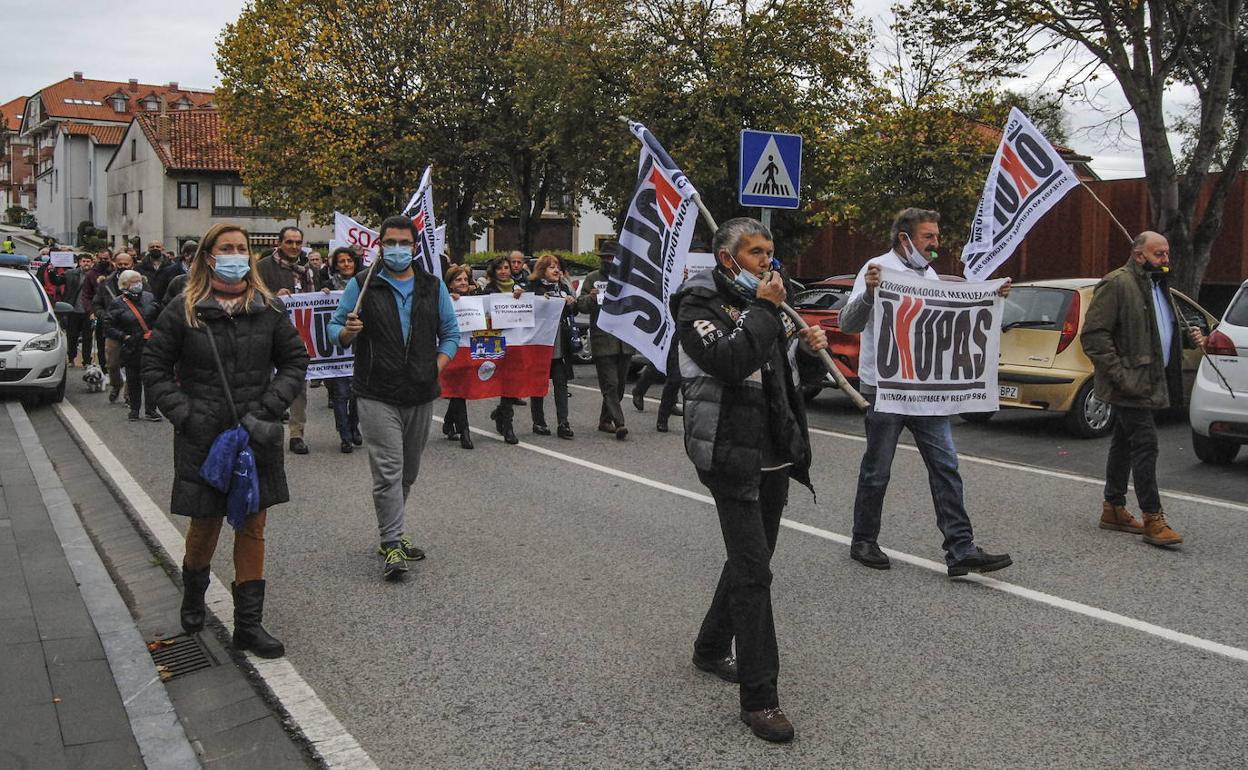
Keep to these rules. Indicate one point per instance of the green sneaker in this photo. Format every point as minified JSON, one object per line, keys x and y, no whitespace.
{"x":409,"y":549}
{"x":395,"y":566}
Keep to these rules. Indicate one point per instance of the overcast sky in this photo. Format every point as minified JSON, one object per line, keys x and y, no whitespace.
{"x":158,"y":41}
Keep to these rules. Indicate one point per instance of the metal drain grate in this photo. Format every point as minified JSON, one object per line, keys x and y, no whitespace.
{"x":178,"y":656}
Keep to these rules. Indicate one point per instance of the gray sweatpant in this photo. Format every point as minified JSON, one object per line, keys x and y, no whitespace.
{"x":396,"y":436}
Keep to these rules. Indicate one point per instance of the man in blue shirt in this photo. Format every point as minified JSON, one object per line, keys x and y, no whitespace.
{"x":404,"y":333}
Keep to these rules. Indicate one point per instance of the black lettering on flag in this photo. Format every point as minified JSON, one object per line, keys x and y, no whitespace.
{"x":925,"y":348}
{"x":961,"y":367}
{"x":1034,"y":155}
{"x":887,"y":357}
{"x":983,"y":322}
{"x":1007,"y":201}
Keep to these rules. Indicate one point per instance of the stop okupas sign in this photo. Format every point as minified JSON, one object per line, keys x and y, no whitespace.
{"x":937,"y":345}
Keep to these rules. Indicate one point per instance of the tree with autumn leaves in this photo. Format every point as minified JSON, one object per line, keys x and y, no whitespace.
{"x":340,"y":105}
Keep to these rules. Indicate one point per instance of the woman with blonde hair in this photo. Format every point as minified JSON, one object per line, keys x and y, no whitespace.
{"x":223,"y":352}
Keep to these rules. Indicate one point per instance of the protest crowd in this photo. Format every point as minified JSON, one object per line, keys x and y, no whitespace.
{"x":224,"y":343}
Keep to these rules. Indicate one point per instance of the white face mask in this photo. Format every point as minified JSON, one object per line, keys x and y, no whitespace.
{"x":912,"y":256}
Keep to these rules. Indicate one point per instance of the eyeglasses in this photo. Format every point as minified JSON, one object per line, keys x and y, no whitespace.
{"x":391,"y":242}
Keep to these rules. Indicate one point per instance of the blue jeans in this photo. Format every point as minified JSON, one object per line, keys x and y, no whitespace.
{"x":346,"y":411}
{"x":935,"y":442}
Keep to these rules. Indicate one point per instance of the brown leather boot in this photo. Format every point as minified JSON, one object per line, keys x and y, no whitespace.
{"x":1158,"y":532}
{"x":1119,"y":519}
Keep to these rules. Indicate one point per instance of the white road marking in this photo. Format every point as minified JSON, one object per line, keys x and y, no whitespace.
{"x":331,"y":742}
{"x":1087,"y":610}
{"x":1100,"y":482}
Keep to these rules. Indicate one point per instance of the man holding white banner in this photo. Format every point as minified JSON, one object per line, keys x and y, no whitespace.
{"x":915,"y":238}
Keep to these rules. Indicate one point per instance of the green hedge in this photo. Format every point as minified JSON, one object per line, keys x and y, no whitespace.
{"x":586,"y":259}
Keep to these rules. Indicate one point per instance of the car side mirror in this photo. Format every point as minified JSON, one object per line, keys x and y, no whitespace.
{"x":63,"y":307}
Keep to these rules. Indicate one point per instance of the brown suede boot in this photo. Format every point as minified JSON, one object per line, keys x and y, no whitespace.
{"x":1119,"y":519}
{"x":1158,"y":532}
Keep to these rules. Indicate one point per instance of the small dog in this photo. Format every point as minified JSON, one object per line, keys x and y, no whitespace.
{"x":94,"y":377}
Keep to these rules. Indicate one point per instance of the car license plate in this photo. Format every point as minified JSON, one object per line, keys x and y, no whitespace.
{"x":1009,"y":391}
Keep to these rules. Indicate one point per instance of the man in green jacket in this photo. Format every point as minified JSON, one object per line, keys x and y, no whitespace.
{"x":1136,"y":341}
{"x":611,"y":356}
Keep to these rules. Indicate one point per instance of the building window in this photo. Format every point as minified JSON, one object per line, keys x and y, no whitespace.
{"x":125,"y":209}
{"x":140,"y":201}
{"x":229,"y":200}
{"x":134,"y":149}
{"x":151,"y":104}
{"x":119,"y":102}
{"x":188,"y":195}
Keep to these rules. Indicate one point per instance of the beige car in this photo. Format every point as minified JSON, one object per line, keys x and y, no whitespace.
{"x":1043,"y":366}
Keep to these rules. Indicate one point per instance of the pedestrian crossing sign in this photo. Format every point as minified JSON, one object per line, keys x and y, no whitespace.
{"x":771,"y":169}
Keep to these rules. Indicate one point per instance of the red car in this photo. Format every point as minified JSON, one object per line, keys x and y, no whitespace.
{"x":820,"y":305}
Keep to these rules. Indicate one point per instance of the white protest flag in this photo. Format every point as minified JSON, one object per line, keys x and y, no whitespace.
{"x":653,"y":244}
{"x":936,"y":345}
{"x":1028,"y":177}
{"x":420,"y":207}
{"x":348,"y":232}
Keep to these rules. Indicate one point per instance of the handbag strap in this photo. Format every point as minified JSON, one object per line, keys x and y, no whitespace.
{"x":139,"y":316}
{"x":225,"y":382}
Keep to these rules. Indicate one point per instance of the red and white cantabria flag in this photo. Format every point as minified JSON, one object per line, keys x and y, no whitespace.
{"x":505,"y":362}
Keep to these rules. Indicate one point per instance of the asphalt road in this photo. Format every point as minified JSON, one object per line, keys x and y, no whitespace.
{"x":1039,"y":439}
{"x":552,"y":624}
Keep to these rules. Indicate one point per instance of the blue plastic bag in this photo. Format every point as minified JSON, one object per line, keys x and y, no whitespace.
{"x":231,"y":468}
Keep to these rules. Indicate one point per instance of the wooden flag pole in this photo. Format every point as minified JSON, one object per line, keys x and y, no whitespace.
{"x":1096,"y":198}
{"x":824,"y":356}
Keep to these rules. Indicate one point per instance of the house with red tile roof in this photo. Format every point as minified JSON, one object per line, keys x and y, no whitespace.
{"x":17,"y":180}
{"x":73,"y":127}
{"x":172,"y":176}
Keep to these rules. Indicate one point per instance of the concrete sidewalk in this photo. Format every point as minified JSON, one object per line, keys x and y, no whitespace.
{"x":80,"y":688}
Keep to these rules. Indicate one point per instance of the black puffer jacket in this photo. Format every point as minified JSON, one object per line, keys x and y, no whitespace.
{"x":738,"y":384}
{"x":181,"y":377}
{"x":122,"y":325}
{"x":563,"y":342}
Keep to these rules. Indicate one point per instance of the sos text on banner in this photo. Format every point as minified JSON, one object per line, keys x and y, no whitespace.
{"x":1028,"y":177}
{"x":653,"y":242}
{"x":348,"y":232}
{"x":311,"y":313}
{"x":936,"y":345}
{"x":505,"y":362}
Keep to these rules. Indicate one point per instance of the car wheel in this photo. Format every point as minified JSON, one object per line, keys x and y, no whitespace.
{"x":1090,"y":417}
{"x":976,"y":417}
{"x":1213,"y":450}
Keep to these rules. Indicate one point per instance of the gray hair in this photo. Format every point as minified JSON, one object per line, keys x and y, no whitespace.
{"x":906,"y":220}
{"x":129,"y":277}
{"x":728,"y":236}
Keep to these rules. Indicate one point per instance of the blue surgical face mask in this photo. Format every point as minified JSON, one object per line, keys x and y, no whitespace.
{"x":232,"y":268}
{"x":397,"y":258}
{"x":747,"y":281}
{"x":134,"y":290}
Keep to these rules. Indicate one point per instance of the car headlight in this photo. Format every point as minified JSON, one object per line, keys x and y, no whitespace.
{"x":42,"y":342}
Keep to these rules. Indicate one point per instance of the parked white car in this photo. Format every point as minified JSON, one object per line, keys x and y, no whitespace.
{"x":1219,"y":406}
{"x":32,"y":346}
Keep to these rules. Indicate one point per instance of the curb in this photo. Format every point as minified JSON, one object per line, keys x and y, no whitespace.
{"x":159,"y":734}
{"x":326,"y":737}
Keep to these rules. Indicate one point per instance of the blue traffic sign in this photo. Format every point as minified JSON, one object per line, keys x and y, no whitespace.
{"x":770,"y":170}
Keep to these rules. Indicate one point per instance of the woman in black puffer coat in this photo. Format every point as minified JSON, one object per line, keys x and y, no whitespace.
{"x":129,"y":320}
{"x":546,"y":280}
{"x":265,"y":361}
